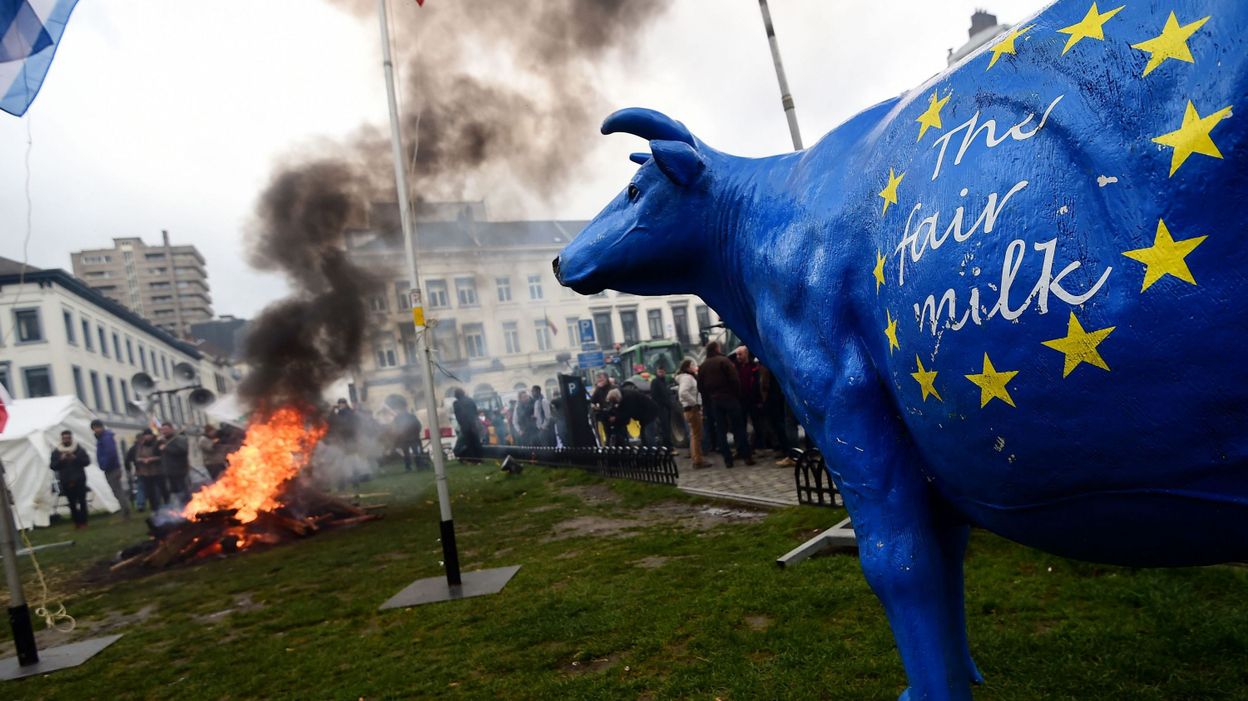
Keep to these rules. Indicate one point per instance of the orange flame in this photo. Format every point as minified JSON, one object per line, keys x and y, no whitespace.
{"x":274,"y":451}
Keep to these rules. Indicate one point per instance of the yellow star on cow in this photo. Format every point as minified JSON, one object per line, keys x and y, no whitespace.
{"x":931,"y":118}
{"x":1193,"y":136}
{"x":890,"y":332}
{"x":926,"y":379}
{"x":889,"y":193}
{"x":1079,"y":346}
{"x":878,"y":271}
{"x":1165,"y":257}
{"x":992,"y":384}
{"x":1171,"y":43}
{"x":1090,"y":27}
{"x":1006,"y":45}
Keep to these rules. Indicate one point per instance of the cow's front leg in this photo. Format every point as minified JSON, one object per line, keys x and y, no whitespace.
{"x":954,"y":543}
{"x":909,"y":547}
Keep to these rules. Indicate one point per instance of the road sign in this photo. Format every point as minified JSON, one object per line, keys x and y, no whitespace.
{"x":593,"y":359}
{"x":586,"y":327}
{"x":418,"y":310}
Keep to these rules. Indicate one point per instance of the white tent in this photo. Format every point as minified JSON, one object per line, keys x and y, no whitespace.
{"x":35,"y":426}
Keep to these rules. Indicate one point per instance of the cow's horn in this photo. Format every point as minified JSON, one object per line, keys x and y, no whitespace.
{"x":648,"y":124}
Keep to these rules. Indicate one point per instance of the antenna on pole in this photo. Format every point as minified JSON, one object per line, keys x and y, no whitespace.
{"x":454,"y":587}
{"x":786,"y":98}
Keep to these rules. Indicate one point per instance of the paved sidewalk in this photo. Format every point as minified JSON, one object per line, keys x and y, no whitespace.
{"x":762,"y":484}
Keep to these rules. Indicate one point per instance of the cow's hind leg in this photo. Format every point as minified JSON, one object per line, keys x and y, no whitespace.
{"x":954,"y":540}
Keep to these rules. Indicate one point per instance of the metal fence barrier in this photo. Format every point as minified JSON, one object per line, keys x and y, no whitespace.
{"x":814,"y":484}
{"x":653,"y":465}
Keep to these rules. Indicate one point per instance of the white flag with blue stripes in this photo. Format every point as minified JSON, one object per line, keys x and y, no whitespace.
{"x":29,"y":33}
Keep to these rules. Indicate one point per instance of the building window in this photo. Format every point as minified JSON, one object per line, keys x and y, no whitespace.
{"x":112,"y":393}
{"x":504,"y":288}
{"x":445,"y":339}
{"x":103,"y":341}
{"x":474,"y":341}
{"x":164,"y":366}
{"x":377,"y":303}
{"x":542,"y":331}
{"x":218,"y":377}
{"x":387,"y":358}
{"x":90,"y":260}
{"x":680,"y":319}
{"x":125,"y":397}
{"x":628,"y":324}
{"x":535,"y":287}
{"x":603,"y":330}
{"x":4,"y":379}
{"x":574,"y":331}
{"x":437,"y":294}
{"x":69,"y":327}
{"x":130,"y":351}
{"x":142,"y":358}
{"x":38,"y":381}
{"x":466,"y":291}
{"x":29,"y":330}
{"x":703,"y":314}
{"x":95,"y":391}
{"x":86,"y":336}
{"x":511,"y":337}
{"x":654,"y":319}
{"x":409,"y":350}
{"x":401,"y":290}
{"x":117,"y":346}
{"x":79,"y":388}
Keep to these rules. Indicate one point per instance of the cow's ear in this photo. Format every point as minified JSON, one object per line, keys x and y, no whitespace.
{"x":639,"y":158}
{"x":680,"y":162}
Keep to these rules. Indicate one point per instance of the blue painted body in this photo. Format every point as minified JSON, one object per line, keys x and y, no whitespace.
{"x":1138,"y":455}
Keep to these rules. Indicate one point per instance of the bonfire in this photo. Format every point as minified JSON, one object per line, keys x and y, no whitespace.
{"x":264,"y":496}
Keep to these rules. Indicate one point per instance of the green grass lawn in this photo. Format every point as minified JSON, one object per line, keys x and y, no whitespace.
{"x":626,"y":591}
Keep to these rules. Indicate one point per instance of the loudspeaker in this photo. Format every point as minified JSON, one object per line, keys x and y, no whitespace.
{"x":184,"y":373}
{"x":142,"y":383}
{"x":201,"y":398}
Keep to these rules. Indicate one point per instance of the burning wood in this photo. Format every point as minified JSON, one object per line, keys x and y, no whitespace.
{"x":262,"y":497}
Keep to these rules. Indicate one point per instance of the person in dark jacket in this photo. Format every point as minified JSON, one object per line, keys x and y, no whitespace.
{"x":151,"y":474}
{"x":629,"y":404}
{"x":175,"y":461}
{"x":407,"y":430}
{"x":468,"y":445}
{"x":718,"y":378}
{"x":69,"y":462}
{"x":751,"y":394}
{"x":110,"y":462}
{"x":132,"y":473}
{"x":661,"y":393}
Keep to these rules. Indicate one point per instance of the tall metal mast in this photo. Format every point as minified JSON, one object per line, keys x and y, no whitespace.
{"x":450,"y":556}
{"x":786,"y":98}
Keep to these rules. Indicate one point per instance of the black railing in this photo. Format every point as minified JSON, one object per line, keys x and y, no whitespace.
{"x":814,"y":484}
{"x":653,"y":465}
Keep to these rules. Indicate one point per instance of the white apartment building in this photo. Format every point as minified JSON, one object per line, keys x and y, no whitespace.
{"x":502,"y":320}
{"x":58,"y":336}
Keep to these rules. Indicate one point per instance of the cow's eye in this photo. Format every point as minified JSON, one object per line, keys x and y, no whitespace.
{"x":633,"y":193}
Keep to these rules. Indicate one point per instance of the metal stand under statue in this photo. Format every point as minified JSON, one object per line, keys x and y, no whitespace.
{"x":455,"y":585}
{"x":29,"y":661}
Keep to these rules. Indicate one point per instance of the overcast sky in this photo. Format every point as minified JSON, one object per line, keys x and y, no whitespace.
{"x":169,"y":114}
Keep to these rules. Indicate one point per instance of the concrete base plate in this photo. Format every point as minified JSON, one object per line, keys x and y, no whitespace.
{"x":56,"y":658}
{"x":435,"y":589}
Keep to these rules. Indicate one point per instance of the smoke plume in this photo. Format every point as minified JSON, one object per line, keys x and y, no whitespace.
{"x":499,"y":100}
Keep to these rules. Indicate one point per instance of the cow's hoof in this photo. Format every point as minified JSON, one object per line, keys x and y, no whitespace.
{"x":905,"y":695}
{"x":976,"y":678}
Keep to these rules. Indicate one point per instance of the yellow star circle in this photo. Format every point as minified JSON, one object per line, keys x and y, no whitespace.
{"x":1079,"y":346}
{"x":926,"y":379}
{"x":931,"y":118}
{"x":1193,"y":136}
{"x":1171,"y":43}
{"x":992,"y":383}
{"x":1090,"y":27}
{"x":1165,"y":257}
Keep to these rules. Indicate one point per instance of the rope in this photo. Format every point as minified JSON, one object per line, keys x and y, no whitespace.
{"x":57,"y":618}
{"x":21,"y":273}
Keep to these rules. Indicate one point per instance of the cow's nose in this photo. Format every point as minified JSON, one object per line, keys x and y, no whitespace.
{"x":555,"y":264}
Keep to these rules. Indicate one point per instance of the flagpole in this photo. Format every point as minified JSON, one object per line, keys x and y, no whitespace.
{"x":450,"y":554}
{"x":786,"y":98}
{"x":455,"y":585}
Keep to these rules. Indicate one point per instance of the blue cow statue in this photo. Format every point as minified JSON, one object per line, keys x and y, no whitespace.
{"x":1008,"y":299}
